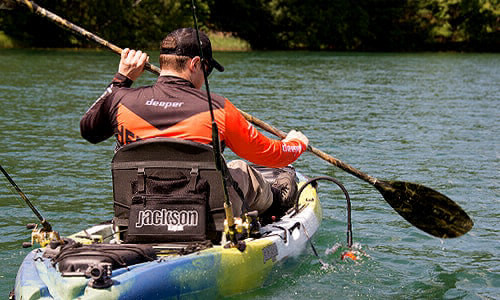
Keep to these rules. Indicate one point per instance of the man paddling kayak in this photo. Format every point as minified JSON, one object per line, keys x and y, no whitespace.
{"x":176,"y":107}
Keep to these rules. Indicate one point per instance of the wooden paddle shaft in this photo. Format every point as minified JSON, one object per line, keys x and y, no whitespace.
{"x":263,"y":125}
{"x":75,"y":28}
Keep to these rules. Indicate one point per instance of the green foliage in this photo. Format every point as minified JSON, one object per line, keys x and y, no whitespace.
{"x":251,"y":20}
{"x":389,"y":25}
{"x":227,"y":42}
{"x":366,"y":25}
{"x":5,"y":41}
{"x":460,"y":23}
{"x":134,"y":23}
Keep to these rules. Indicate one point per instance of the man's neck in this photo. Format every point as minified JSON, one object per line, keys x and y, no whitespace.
{"x":183,"y":75}
{"x":194,"y":78}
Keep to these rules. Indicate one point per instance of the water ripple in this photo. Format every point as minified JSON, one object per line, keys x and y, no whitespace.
{"x":428,"y":118}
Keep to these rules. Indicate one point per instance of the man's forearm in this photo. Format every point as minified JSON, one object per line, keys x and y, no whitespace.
{"x":95,"y":125}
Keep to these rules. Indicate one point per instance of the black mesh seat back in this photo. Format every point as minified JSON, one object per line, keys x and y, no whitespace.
{"x":160,"y":159}
{"x":160,"y":149}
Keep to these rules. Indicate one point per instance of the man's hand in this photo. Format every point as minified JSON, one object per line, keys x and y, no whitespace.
{"x":132,"y":63}
{"x":296,"y":135}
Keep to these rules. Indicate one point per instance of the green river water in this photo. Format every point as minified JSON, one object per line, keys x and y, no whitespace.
{"x":431,"y":118}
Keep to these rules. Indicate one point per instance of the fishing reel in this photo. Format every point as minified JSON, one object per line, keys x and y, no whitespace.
{"x":243,"y":228}
{"x":41,"y":235}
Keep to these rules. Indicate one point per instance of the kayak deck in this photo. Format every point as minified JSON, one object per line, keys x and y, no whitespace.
{"x":210,"y":273}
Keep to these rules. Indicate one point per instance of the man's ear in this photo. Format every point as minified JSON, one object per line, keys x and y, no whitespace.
{"x":193,"y":62}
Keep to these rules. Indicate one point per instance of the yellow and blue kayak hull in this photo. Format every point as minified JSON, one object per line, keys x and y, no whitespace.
{"x":211,"y":273}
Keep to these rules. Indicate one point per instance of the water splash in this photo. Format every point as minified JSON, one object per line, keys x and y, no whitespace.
{"x":355,"y":253}
{"x":333,"y":249}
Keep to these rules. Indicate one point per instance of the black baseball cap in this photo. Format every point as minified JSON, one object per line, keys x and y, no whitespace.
{"x":183,"y":42}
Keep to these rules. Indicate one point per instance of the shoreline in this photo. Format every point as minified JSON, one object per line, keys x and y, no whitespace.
{"x":221,"y":41}
{"x":227,"y":42}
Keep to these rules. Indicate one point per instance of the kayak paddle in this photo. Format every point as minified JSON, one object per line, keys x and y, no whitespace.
{"x":421,"y":206}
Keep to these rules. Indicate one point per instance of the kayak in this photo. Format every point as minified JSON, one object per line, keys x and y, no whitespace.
{"x":171,"y":270}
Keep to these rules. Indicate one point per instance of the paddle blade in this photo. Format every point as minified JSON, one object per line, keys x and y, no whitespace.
{"x":425,"y":208}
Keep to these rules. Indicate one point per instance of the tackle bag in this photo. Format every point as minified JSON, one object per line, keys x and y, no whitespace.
{"x":169,"y":210}
{"x":74,"y":259}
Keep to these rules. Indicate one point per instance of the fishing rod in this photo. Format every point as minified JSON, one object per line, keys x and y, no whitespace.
{"x":46,"y":225}
{"x":43,"y":235}
{"x":219,"y":161}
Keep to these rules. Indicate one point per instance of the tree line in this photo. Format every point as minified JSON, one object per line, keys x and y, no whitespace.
{"x":340,"y":25}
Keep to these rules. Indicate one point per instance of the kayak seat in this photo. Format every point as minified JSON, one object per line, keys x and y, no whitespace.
{"x":167,"y":190}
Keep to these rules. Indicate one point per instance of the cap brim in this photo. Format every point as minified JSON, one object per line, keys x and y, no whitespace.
{"x":216,"y":65}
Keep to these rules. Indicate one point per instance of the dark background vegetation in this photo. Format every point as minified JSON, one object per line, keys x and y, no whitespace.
{"x":342,"y":25}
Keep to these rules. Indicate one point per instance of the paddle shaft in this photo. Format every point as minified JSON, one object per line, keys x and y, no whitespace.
{"x":35,"y":8}
{"x":349,"y":169}
{"x":155,"y":70}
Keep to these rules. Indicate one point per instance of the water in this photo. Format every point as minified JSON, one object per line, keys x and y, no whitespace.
{"x":430,"y":118}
